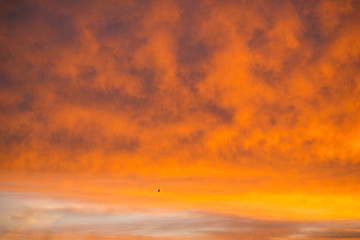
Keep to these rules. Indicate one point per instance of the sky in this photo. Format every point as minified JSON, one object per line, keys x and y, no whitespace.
{"x":245,"y":114}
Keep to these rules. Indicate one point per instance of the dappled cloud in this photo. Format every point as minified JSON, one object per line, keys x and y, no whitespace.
{"x":245,"y":108}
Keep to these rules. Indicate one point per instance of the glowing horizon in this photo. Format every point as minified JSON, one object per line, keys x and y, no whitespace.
{"x":246,"y":114}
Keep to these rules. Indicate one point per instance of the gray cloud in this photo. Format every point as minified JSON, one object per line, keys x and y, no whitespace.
{"x":55,"y":217}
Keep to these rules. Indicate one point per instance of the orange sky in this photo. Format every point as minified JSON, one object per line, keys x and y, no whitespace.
{"x":246,"y":113}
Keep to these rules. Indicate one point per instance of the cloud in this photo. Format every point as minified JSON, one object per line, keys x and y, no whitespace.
{"x":248,"y":108}
{"x":55,"y":217}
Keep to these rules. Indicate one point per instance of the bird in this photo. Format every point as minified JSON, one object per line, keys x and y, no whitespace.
{"x":159,"y":190}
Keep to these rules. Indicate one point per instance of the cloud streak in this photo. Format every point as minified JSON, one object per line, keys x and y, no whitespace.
{"x":56,"y":217}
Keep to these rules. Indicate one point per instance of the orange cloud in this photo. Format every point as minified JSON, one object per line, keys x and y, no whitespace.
{"x":244,"y":108}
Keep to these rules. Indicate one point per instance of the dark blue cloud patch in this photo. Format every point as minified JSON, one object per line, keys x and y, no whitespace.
{"x":5,"y":79}
{"x":26,"y":103}
{"x":87,"y":73}
{"x":147,"y":79}
{"x":63,"y":27}
{"x":221,"y":114}
{"x":258,"y":40}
